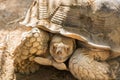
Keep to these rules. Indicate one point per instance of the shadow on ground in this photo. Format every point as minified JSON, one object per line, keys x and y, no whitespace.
{"x":46,"y":73}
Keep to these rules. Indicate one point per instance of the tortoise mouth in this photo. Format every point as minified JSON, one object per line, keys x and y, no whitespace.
{"x":60,"y":59}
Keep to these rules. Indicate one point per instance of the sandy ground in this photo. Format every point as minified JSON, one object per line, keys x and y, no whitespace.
{"x":47,"y":73}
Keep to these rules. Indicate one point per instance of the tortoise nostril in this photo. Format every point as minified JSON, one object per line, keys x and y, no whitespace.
{"x":59,"y":52}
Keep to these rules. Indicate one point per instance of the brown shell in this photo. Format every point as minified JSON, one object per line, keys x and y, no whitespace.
{"x":95,"y":23}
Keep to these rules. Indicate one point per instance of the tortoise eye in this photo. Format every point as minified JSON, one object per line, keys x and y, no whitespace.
{"x":54,"y":48}
{"x":67,"y":49}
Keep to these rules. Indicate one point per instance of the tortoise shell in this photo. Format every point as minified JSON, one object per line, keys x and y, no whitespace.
{"x":93,"y":22}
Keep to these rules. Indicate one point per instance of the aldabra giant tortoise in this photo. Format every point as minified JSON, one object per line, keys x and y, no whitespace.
{"x":93,"y":23}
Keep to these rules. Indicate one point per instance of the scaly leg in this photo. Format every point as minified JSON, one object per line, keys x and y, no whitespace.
{"x":84,"y":67}
{"x":50,"y":62}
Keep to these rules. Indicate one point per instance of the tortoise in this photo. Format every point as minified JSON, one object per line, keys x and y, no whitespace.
{"x":89,"y":23}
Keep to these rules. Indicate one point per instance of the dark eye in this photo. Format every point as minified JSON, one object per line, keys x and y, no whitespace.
{"x":54,"y":48}
{"x":67,"y":49}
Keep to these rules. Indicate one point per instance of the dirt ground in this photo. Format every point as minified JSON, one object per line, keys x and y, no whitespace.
{"x":47,"y":73}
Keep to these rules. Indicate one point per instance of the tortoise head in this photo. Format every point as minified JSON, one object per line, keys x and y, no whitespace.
{"x":61,"y":48}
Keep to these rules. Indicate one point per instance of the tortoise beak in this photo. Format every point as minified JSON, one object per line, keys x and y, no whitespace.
{"x":58,"y":51}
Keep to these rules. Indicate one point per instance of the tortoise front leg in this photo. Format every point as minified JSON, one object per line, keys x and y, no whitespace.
{"x":50,"y":62}
{"x":59,"y":66}
{"x":84,"y":67}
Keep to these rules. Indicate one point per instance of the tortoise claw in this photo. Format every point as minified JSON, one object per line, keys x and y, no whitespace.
{"x":60,"y":66}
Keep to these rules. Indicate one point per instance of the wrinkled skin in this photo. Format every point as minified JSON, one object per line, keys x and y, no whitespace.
{"x":84,"y":67}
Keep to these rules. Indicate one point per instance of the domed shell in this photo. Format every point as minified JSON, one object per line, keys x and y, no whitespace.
{"x":95,"y":23}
